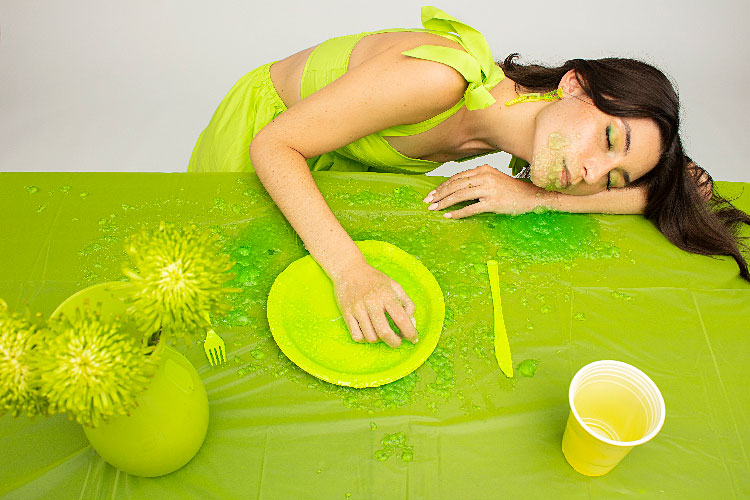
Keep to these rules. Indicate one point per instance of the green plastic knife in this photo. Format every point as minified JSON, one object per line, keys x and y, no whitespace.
{"x":502,"y":346}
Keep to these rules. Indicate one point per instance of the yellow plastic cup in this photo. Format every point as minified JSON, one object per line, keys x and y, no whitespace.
{"x":613,"y":407}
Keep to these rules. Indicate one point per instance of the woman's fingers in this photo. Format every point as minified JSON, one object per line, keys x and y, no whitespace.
{"x":473,"y":209}
{"x":467,"y":183}
{"x":452,"y":186}
{"x":462,"y":180}
{"x":496,"y":192}
{"x":400,"y":308}
{"x":354,"y":329}
{"x":365,"y":325}
{"x":404,"y":299}
{"x":402,"y":320}
{"x":470,"y":172}
{"x":366,"y":298}
{"x":383,"y":329}
{"x":446,"y":186}
{"x":457,"y":197}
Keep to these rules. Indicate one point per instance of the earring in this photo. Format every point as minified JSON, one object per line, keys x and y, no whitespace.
{"x":537,"y":96}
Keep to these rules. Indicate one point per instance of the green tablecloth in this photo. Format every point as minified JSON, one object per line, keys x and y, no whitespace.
{"x":576,"y":288}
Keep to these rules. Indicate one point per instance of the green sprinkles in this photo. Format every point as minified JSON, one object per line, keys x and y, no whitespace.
{"x":261,"y":244}
{"x":528,"y":367}
{"x":392,"y":443}
{"x":621,"y":296}
{"x":550,"y":237}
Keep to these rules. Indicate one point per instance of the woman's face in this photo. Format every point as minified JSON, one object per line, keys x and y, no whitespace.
{"x":580,"y":150}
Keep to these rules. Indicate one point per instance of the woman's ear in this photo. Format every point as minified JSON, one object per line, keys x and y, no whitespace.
{"x":570,"y":84}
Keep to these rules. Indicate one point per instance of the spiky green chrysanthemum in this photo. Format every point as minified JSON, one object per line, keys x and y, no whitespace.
{"x":93,"y":369}
{"x":19,"y":379}
{"x":177,"y":281}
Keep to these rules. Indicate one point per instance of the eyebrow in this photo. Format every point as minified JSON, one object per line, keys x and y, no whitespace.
{"x":625,"y":176}
{"x":627,"y":135}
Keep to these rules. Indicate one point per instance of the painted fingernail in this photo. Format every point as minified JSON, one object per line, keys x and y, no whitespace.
{"x":414,"y":322}
{"x":428,"y":198}
{"x":432,"y":207}
{"x":447,"y":216}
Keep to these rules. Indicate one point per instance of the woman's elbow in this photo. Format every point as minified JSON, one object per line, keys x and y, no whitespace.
{"x":266,"y":150}
{"x":262,"y":147}
{"x":258,"y":146}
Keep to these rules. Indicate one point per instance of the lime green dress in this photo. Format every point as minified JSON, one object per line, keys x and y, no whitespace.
{"x":253,"y":102}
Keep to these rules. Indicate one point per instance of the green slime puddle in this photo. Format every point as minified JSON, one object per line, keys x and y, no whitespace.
{"x":263,"y":244}
{"x":528,"y":367}
{"x":392,"y":443}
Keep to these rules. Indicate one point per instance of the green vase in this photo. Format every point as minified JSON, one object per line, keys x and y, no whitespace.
{"x":167,"y":428}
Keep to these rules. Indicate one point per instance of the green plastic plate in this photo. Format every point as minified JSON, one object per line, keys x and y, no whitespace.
{"x":307,"y":325}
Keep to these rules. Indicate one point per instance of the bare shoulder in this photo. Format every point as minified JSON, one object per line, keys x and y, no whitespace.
{"x":381,"y":56}
{"x":384,"y":47}
{"x":382,"y":90}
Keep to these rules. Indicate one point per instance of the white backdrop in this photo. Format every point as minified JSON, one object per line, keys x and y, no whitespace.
{"x":99,"y":85}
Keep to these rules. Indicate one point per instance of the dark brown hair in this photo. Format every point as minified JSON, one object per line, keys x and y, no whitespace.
{"x":680,"y":199}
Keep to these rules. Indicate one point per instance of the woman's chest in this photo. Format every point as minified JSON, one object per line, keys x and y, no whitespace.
{"x":448,"y":141}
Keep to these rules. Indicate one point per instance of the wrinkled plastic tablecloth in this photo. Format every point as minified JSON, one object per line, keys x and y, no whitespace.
{"x":277,"y":433}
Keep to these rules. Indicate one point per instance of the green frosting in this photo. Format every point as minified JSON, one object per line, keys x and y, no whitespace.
{"x":392,"y":443}
{"x":262,"y":245}
{"x":528,"y":367}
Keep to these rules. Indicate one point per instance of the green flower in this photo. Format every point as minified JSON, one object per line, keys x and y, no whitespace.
{"x":93,"y":369}
{"x":177,"y":281}
{"x":19,"y":379}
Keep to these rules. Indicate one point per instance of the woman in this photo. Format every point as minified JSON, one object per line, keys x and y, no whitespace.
{"x":600,"y":136}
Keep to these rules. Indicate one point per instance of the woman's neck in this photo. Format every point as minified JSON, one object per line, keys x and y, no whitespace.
{"x":506,"y":128}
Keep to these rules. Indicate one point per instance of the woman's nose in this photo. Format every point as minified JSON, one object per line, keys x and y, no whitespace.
{"x":594,"y":171}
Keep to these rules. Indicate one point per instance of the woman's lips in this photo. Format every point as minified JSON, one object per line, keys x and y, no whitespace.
{"x":564,"y":176}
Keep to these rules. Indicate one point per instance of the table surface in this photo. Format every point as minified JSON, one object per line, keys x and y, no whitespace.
{"x":575,"y":288}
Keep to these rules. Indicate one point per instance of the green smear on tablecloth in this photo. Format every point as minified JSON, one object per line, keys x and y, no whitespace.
{"x":391,"y":443}
{"x":263,"y":245}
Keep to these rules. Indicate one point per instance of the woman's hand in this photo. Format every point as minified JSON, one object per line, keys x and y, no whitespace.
{"x":364,"y":295}
{"x":496,"y":192}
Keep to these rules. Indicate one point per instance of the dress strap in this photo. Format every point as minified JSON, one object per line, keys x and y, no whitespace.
{"x":475,"y":65}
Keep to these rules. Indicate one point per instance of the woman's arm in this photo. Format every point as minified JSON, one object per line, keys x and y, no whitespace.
{"x":629,"y":200}
{"x":500,"y":193}
{"x":387,"y":90}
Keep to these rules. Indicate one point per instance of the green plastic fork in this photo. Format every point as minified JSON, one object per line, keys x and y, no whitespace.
{"x":214,"y":348}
